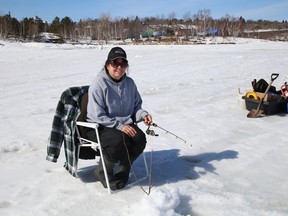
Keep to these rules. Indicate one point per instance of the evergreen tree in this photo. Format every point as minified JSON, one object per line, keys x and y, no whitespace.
{"x":55,"y":26}
{"x":67,"y":27}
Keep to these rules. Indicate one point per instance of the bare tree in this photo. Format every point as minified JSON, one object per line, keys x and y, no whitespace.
{"x":6,"y":27}
{"x":203,"y":16}
{"x":172,"y":18}
{"x":188,"y":23}
{"x":104,"y":27}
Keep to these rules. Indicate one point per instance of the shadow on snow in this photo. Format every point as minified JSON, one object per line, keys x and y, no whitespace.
{"x":168,"y":166}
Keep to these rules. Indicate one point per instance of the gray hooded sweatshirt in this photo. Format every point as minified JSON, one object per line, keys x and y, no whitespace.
{"x":113,"y":104}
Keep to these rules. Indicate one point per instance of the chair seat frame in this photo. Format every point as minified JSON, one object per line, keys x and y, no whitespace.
{"x":83,"y":142}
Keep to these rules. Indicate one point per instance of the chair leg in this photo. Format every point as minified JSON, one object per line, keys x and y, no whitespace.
{"x":145,"y":164}
{"x":100,"y":172}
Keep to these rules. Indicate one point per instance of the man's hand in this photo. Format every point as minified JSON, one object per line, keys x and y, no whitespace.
{"x":148,"y":119}
{"x":130,"y":131}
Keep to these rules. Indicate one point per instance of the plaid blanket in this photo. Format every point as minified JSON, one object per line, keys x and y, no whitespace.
{"x":64,"y":128}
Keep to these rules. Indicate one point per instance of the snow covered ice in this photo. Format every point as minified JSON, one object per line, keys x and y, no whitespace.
{"x":236,"y":165}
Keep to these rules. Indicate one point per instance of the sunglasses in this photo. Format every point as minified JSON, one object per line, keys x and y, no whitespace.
{"x":116,"y":64}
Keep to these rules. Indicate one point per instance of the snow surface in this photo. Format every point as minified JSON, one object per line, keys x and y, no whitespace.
{"x":236,"y":165}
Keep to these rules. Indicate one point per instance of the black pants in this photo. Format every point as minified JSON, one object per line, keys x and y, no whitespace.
{"x":116,"y":143}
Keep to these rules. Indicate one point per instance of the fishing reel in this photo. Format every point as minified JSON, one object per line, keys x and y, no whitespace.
{"x":150,"y":131}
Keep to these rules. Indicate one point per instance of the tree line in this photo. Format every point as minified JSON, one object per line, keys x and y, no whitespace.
{"x":107,"y":28}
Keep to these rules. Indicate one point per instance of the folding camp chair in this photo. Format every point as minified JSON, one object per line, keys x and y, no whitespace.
{"x":81,"y":124}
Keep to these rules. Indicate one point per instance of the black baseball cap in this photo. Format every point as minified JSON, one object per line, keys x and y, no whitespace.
{"x":117,"y":52}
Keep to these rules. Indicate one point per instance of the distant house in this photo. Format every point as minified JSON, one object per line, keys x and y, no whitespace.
{"x":213,"y":32}
{"x":46,"y":37}
{"x":158,"y":34}
{"x":170,"y":32}
{"x":146,"y":34}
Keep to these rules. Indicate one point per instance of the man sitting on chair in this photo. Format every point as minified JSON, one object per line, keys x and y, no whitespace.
{"x":116,"y":105}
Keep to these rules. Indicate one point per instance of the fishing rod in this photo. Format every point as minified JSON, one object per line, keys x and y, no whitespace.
{"x":152,"y":133}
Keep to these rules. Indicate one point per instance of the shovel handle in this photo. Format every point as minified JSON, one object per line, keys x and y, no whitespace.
{"x":274,"y":76}
{"x":255,"y":113}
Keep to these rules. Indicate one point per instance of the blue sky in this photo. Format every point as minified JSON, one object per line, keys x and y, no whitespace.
{"x":82,"y":9}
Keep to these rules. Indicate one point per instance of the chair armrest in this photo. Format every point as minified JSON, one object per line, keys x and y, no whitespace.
{"x":87,"y":124}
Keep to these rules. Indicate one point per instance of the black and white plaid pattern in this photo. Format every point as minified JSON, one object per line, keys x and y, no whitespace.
{"x":64,"y":128}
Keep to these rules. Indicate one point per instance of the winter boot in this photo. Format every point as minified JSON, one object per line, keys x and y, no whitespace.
{"x":123,"y":172}
{"x":124,"y":167}
{"x":114,"y":182}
